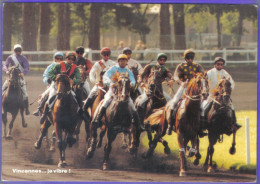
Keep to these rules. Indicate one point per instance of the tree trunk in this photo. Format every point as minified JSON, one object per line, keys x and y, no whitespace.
{"x":29,"y":42}
{"x":44,"y":26}
{"x":7,"y":26}
{"x":179,"y":26}
{"x":63,"y":39}
{"x":218,"y":29}
{"x":240,"y":29}
{"x":165,"y":30}
{"x":94,"y":29}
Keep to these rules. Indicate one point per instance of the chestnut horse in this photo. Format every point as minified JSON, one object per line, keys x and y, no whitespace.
{"x":187,"y":121}
{"x":117,"y":119}
{"x":220,"y":120}
{"x":65,"y":116}
{"x":12,"y":100}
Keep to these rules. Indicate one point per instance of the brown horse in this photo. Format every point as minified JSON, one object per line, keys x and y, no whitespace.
{"x":81,"y":95}
{"x":12,"y":101}
{"x":65,"y":116}
{"x":220,"y":120}
{"x":159,"y":120}
{"x":117,"y":119}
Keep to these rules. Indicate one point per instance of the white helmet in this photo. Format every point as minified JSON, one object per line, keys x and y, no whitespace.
{"x":17,"y":46}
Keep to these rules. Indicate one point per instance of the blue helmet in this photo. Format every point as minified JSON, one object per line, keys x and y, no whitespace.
{"x":58,"y":54}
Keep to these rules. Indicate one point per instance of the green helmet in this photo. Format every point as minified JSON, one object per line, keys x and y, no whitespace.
{"x":160,"y":55}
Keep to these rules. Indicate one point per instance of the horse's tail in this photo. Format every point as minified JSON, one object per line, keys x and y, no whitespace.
{"x":155,"y":117}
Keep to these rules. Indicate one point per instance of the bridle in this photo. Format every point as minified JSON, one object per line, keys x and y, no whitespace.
{"x":63,"y":78}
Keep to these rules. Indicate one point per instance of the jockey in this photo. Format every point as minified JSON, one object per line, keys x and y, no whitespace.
{"x":96,"y":73}
{"x":214,"y":75}
{"x":132,"y":63}
{"x":183,"y":73}
{"x":58,"y":57}
{"x":63,"y":67}
{"x":80,"y":60}
{"x":165,"y":73}
{"x":18,"y":59}
{"x":121,"y":68}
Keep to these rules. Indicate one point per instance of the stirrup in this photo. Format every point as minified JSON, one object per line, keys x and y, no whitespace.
{"x":36,"y":113}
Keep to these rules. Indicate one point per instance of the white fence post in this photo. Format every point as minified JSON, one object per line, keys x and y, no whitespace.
{"x":247,"y":141}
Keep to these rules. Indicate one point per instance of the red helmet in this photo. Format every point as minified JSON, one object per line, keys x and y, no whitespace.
{"x":70,"y":54}
{"x":105,"y":50}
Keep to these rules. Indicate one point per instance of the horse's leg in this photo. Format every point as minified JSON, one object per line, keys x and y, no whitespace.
{"x":197,"y":154}
{"x":44,"y":131}
{"x":232,"y":149}
{"x":93,"y":142}
{"x":53,"y":140}
{"x":166,"y":146}
{"x":181,"y":154}
{"x":124,"y":145}
{"x":212,"y":142}
{"x":77,"y":131}
{"x":152,"y":146}
{"x":58,"y":132}
{"x":192,"y":150}
{"x":4,"y":119}
{"x":64,"y":145}
{"x":87,"y":130}
{"x":22,"y":115}
{"x":101,"y":135}
{"x":107,"y":149}
{"x":11,"y":125}
{"x":206,"y":163}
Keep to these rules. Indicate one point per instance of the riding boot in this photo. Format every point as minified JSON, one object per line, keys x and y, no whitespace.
{"x":235,"y":120}
{"x":202,"y":127}
{"x":26,"y":105}
{"x":100,"y":115}
{"x":41,"y":105}
{"x":171,"y":124}
{"x":137,"y":122}
{"x":44,"y":114}
{"x":87,"y":103}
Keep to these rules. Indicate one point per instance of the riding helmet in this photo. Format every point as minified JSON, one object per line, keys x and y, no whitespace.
{"x":58,"y":54}
{"x":105,"y":50}
{"x":219,"y":59}
{"x":121,"y":56}
{"x":70,"y":54}
{"x":80,"y":50}
{"x":160,"y":55}
{"x":127,"y":49}
{"x":188,"y":51}
{"x":16,"y":46}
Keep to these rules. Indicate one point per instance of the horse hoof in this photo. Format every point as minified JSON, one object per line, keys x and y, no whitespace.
{"x":232,"y":150}
{"x":71,"y":140}
{"x":9,"y":137}
{"x":52,"y":149}
{"x":183,"y":173}
{"x":37,"y":145}
{"x":144,"y":156}
{"x":24,"y":125}
{"x":210,"y":169}
{"x":196,"y":162}
{"x":132,"y":150}
{"x":61,"y":164}
{"x":89,"y":154}
{"x":99,"y":144}
{"x":106,"y":166}
{"x":167,"y":151}
{"x":64,"y":163}
{"x":124,"y":146}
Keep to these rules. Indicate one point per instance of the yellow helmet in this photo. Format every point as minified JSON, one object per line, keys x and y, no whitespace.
{"x":188,"y":51}
{"x":122,"y":56}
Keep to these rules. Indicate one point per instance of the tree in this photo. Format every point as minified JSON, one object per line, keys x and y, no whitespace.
{"x":44,"y":26}
{"x":29,"y":42}
{"x":63,"y":38}
{"x":7,"y":26}
{"x":179,"y":26}
{"x":164,"y":26}
{"x":94,"y":27}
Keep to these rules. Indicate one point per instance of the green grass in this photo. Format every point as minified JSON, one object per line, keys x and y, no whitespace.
{"x":221,"y":155}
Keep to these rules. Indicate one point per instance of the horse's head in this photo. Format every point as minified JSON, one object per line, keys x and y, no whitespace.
{"x":198,"y":86}
{"x":14,"y":74}
{"x":83,"y":75}
{"x":224,"y":90}
{"x":134,"y":70}
{"x":63,"y":84}
{"x":122,"y":86}
{"x":155,"y":84}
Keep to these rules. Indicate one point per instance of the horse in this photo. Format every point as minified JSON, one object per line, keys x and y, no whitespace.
{"x":159,"y":120}
{"x":80,"y":96}
{"x":65,"y":116}
{"x":220,"y":121}
{"x":117,"y":119}
{"x":12,"y":100}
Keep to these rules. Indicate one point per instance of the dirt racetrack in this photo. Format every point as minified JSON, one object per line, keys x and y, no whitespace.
{"x":20,"y":159}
